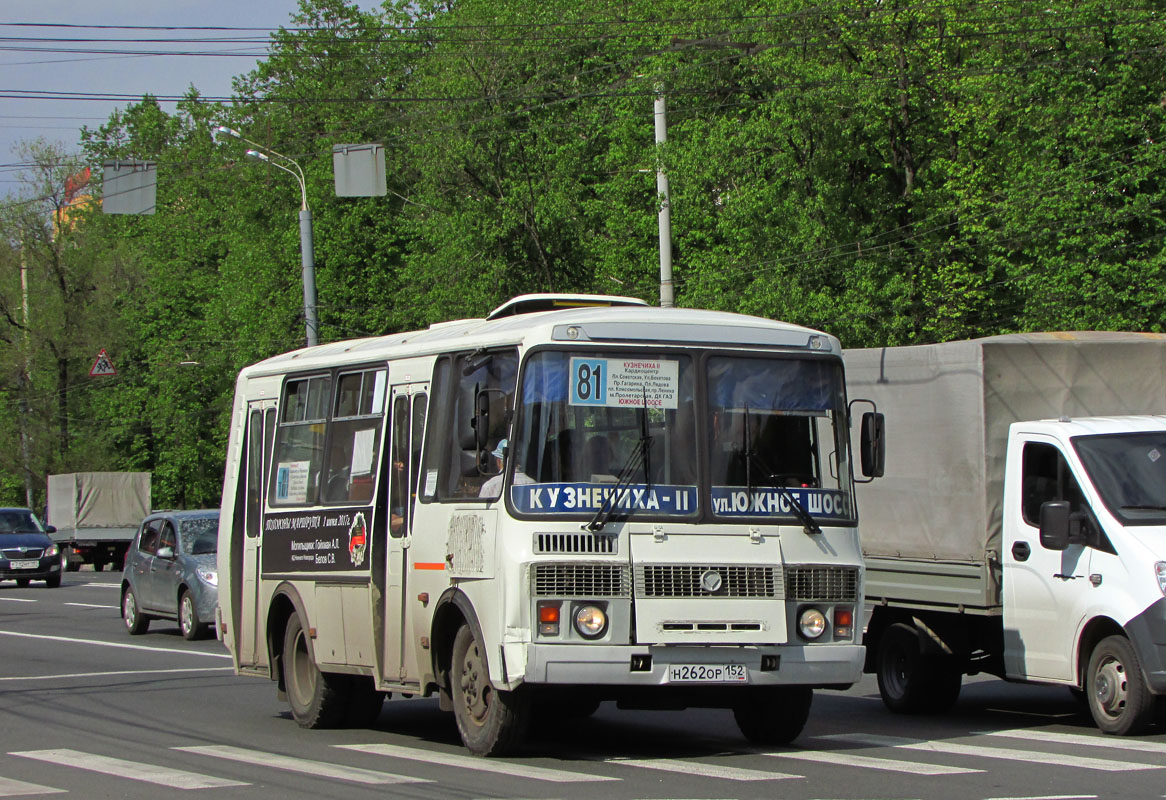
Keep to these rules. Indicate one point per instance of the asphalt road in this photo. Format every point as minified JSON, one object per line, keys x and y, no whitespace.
{"x":88,"y":710}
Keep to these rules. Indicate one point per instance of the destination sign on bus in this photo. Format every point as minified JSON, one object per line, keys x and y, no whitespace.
{"x":736,"y":501}
{"x":625,"y":382}
{"x":554,"y":498}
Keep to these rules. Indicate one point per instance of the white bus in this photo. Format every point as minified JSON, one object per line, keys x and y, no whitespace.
{"x":576,"y":499}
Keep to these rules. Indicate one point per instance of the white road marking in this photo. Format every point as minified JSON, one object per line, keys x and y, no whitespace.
{"x":474,"y":763}
{"x":1029,"y":756}
{"x":1101,"y":740}
{"x":1050,"y":797}
{"x":106,"y":585}
{"x":90,"y":605}
{"x":17,"y":600}
{"x":698,"y":768}
{"x":114,"y":672}
{"x":122,"y":645}
{"x":868,"y":762}
{"x":147,"y":773}
{"x":320,"y":769}
{"x":14,"y":788}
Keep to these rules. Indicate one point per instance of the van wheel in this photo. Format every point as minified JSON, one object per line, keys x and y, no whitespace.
{"x":491,"y":722}
{"x":774,"y":716}
{"x":909,"y":682}
{"x":317,"y":699}
{"x":1119,"y":699}
{"x":135,"y":621}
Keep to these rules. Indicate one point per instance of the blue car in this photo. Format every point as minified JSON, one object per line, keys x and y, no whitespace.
{"x":26,"y":551}
{"x":171,"y":572}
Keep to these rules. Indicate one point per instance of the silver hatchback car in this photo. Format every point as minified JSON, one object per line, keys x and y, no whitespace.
{"x":171,"y":572}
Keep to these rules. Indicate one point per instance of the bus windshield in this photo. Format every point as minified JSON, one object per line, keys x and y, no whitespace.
{"x":596,"y":429}
{"x":776,"y":438}
{"x":585,"y":418}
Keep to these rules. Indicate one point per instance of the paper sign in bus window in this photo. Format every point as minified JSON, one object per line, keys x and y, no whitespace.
{"x":363,"y":444}
{"x":625,"y":382}
{"x":291,"y":481}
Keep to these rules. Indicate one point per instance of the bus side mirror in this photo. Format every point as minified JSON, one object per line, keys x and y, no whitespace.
{"x":873,"y":444}
{"x":1054,"y":525}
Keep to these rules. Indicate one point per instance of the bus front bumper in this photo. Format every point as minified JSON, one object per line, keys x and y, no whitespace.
{"x":825,"y":665}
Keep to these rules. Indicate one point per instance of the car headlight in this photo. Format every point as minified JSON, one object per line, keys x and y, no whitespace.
{"x":811,"y":623}
{"x":1160,"y":572}
{"x":208,"y":576}
{"x":590,"y":621}
{"x":53,"y":550}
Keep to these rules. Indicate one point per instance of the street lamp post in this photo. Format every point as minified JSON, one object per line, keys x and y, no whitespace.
{"x":307,"y":254}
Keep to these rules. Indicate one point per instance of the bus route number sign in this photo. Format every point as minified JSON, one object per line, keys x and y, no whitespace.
{"x":625,"y":382}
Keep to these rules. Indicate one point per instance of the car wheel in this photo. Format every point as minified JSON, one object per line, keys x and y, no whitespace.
{"x":22,"y":582}
{"x":192,"y":627}
{"x":774,"y":716}
{"x":53,"y":582}
{"x":490,"y":722}
{"x":317,"y":699}
{"x":1119,"y":698}
{"x":136,"y":622}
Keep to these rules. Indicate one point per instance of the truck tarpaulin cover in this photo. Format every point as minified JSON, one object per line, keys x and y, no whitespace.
{"x":99,"y":499}
{"x":948,"y":408}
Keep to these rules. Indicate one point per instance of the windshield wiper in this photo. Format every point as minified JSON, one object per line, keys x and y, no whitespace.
{"x":809,"y":526}
{"x":623,"y":481}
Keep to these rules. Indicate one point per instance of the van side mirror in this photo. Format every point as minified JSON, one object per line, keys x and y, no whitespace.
{"x":1054,"y":525}
{"x":873,"y":445}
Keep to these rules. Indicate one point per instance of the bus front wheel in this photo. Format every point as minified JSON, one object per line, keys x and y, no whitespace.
{"x":490,"y":722}
{"x":318,"y":699}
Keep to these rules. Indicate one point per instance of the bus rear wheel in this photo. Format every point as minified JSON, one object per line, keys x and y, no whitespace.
{"x":317,"y":699}
{"x":490,"y":722}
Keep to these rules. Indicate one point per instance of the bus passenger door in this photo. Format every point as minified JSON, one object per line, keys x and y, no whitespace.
{"x":261,"y":430}
{"x":408,"y":426}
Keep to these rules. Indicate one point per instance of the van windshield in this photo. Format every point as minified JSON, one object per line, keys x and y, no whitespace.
{"x":1129,"y":471}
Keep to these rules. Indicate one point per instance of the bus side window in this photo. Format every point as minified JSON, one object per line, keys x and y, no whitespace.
{"x":299,"y":443}
{"x":400,"y":508}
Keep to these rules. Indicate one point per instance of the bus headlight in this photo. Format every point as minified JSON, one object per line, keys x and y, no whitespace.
{"x":811,"y":623}
{"x":590,"y":621}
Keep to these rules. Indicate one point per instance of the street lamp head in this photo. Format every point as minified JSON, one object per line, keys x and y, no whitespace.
{"x":222,"y":131}
{"x":255,"y":155}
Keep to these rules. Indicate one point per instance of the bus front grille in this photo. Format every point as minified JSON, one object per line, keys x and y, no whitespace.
{"x":581,"y":580}
{"x":693,"y":580}
{"x":576,"y":542}
{"x":836,"y":584}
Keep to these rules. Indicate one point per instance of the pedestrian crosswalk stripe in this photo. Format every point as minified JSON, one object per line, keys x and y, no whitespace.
{"x":952,"y":748}
{"x":321,"y":769}
{"x":868,"y":762}
{"x":699,"y":768}
{"x":1102,"y":740}
{"x":10,"y":787}
{"x":148,"y":773}
{"x":474,"y":763}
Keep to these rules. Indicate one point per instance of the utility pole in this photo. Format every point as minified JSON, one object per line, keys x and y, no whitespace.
{"x":24,"y":381}
{"x":665,"y":214}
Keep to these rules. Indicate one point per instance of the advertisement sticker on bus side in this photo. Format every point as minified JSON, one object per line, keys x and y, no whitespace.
{"x":331,"y":540}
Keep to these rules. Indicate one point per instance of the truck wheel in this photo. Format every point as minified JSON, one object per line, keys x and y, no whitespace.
{"x":909,"y":682}
{"x":774,"y":716}
{"x":188,"y":622}
{"x":136,"y":622}
{"x":364,"y":702}
{"x":1119,"y":699}
{"x":98,"y":566}
{"x":490,"y":722}
{"x":318,"y":699}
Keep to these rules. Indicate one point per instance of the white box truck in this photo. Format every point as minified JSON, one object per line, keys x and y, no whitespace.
{"x":1019,"y":528}
{"x":96,"y":515}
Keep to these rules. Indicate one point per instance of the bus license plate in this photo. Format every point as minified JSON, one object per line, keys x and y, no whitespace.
{"x":707,"y":673}
{"x":27,"y":564}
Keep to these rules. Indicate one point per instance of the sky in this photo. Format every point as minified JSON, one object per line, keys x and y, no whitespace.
{"x":29,"y":66}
